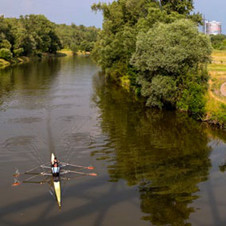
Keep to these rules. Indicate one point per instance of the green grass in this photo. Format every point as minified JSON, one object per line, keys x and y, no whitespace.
{"x":216,"y":103}
{"x":217,"y":67}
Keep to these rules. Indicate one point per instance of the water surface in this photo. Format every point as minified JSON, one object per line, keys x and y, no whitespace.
{"x":154,"y":167}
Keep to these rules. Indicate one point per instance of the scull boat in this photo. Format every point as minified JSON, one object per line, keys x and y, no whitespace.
{"x":56,"y":180}
{"x":53,"y":175}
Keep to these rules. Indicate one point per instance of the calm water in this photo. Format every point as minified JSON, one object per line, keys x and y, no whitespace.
{"x":154,"y":168}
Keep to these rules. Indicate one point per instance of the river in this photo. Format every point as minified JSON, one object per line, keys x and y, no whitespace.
{"x":154,"y":167}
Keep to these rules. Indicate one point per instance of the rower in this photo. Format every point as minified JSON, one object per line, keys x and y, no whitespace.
{"x":55,"y":167}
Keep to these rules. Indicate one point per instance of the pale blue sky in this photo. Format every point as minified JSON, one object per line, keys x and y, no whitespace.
{"x":79,"y":12}
{"x":213,"y":10}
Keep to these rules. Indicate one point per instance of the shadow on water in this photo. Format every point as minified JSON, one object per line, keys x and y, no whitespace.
{"x":165,"y":154}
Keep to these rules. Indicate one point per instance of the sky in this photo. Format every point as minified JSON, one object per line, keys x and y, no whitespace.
{"x":79,"y":11}
{"x":213,"y":10}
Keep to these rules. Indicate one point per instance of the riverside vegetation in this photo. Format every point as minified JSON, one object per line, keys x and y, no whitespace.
{"x":216,"y":95}
{"x":157,"y":52}
{"x":154,"y":50}
{"x":35,"y":35}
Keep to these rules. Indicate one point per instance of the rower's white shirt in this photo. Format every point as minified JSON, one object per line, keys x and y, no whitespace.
{"x":55,"y":169}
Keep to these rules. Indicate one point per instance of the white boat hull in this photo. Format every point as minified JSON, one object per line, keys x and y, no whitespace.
{"x":56,"y":184}
{"x":57,"y":189}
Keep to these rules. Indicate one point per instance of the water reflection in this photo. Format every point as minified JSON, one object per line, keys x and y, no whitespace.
{"x":28,"y":76}
{"x":165,"y":154}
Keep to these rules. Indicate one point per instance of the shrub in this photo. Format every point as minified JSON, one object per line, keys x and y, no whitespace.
{"x":18,"y":52}
{"x":193,"y":100}
{"x":5,"y":54}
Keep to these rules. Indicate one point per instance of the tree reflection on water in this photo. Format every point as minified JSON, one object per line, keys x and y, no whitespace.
{"x":164,"y":153}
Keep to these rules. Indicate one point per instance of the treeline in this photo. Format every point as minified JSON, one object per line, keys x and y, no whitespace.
{"x":32,"y":35}
{"x":156,"y":50}
{"x":218,"y":41}
{"x":77,"y":37}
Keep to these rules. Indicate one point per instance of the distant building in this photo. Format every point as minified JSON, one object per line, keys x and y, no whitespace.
{"x":212,"y":27}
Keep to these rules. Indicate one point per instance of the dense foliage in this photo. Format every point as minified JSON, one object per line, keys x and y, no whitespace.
{"x":35,"y":34}
{"x":77,"y":37}
{"x":218,"y":41}
{"x":158,"y":47}
{"x":169,"y":72}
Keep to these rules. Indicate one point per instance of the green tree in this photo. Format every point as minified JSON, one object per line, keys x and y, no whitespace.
{"x":171,"y":49}
{"x":123,"y":20}
{"x":160,"y":91}
{"x":42,"y":31}
{"x":218,"y":41}
{"x":171,"y":59}
{"x":25,"y":42}
{"x":182,"y":6}
{"x":77,"y":37}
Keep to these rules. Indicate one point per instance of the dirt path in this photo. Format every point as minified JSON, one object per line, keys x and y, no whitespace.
{"x":216,"y":98}
{"x":223,"y":89}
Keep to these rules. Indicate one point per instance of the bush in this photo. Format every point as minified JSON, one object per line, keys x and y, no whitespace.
{"x":74,"y":48}
{"x":193,"y":100}
{"x":5,"y":54}
{"x":18,"y":52}
{"x":161,"y":91}
{"x":5,"y":44}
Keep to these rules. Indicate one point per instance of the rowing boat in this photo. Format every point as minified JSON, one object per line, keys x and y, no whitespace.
{"x":52,"y":177}
{"x":56,"y":184}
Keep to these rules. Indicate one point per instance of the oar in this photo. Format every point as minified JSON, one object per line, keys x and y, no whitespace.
{"x":29,"y":173}
{"x":32,"y":169}
{"x":46,"y":174}
{"x":77,"y":172}
{"x":47,"y":167}
{"x":79,"y":166}
{"x":34,"y":175}
{"x":35,"y":182}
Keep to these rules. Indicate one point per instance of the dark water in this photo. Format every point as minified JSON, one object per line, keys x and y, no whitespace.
{"x":154,"y":168}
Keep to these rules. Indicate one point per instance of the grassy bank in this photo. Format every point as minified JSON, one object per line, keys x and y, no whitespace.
{"x":23,"y":59}
{"x":14,"y":61}
{"x":216,"y":96}
{"x":68,"y":52}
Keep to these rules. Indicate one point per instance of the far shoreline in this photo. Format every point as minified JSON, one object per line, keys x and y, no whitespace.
{"x":25,"y":59}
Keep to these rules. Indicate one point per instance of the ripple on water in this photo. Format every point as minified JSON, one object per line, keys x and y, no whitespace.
{"x":18,"y":141}
{"x":63,"y":106}
{"x":26,"y":120}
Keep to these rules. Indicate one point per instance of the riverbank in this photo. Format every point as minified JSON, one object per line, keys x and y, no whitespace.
{"x":216,"y":95}
{"x":215,"y":109}
{"x":14,"y":61}
{"x":69,"y":52}
{"x":25,"y":59}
